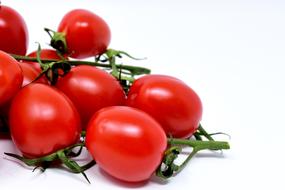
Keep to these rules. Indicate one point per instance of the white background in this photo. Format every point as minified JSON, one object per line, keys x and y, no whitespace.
{"x":231,"y":52}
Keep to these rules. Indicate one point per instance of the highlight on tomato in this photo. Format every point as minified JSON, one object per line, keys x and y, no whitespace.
{"x":43,"y":120}
{"x":13,"y":31}
{"x":91,"y":89}
{"x":170,"y":101}
{"x":126,"y":142}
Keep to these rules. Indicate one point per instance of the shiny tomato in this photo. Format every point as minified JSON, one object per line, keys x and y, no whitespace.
{"x":43,"y":120}
{"x":170,"y":101}
{"x":86,"y":34}
{"x":13,"y":31}
{"x":30,"y":74}
{"x":11,"y":77}
{"x":45,"y":54}
{"x":126,"y":142}
{"x":91,"y":89}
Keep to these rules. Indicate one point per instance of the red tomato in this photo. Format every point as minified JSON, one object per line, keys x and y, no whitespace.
{"x":30,"y":74}
{"x":170,"y":101}
{"x":11,"y":77}
{"x":45,"y":54}
{"x":13,"y":31}
{"x":43,"y":120}
{"x":126,"y":142}
{"x":86,"y":34}
{"x":91,"y":89}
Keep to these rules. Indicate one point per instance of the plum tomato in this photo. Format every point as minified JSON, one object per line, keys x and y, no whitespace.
{"x":11,"y":77}
{"x":170,"y":101}
{"x":13,"y":31}
{"x":86,"y":34}
{"x":91,"y":89}
{"x":43,"y":120}
{"x":126,"y":142}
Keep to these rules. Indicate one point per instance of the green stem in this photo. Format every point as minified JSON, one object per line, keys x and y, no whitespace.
{"x":64,"y":155}
{"x":189,"y":157}
{"x":133,"y":69}
{"x":71,"y":164}
{"x":204,"y":133}
{"x":201,"y":145}
{"x":83,"y":133}
{"x":168,"y":167}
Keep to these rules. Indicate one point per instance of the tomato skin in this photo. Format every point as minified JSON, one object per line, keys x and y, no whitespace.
{"x":30,"y":74}
{"x":170,"y":101}
{"x":126,"y":142}
{"x":43,"y":120}
{"x":13,"y":31}
{"x":91,"y":89}
{"x":45,"y":54}
{"x":10,"y":77}
{"x":87,"y":35}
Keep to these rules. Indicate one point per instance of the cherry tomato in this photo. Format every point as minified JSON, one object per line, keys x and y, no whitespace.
{"x":45,"y":54}
{"x":126,"y":142}
{"x":43,"y":120}
{"x":11,"y":77}
{"x":86,"y":34}
{"x":30,"y":74}
{"x":170,"y":101}
{"x":13,"y":31}
{"x":91,"y":89}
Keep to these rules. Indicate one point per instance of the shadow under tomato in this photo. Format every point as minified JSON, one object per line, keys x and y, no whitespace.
{"x":5,"y":136}
{"x":122,"y":183}
{"x":158,"y":180}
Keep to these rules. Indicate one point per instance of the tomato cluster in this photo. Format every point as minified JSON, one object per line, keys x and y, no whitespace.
{"x":52,"y":103}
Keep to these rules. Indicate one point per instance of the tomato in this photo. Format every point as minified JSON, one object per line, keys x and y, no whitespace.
{"x":11,"y":77}
{"x":45,"y":54}
{"x":43,"y":120}
{"x":86,"y":34}
{"x":30,"y":74}
{"x":126,"y":142}
{"x":91,"y":89}
{"x":13,"y":31}
{"x":170,"y":101}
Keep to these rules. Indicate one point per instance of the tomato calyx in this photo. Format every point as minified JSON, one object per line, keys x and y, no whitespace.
{"x":169,"y":168}
{"x":126,"y":77}
{"x":63,"y":156}
{"x":58,"y":40}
